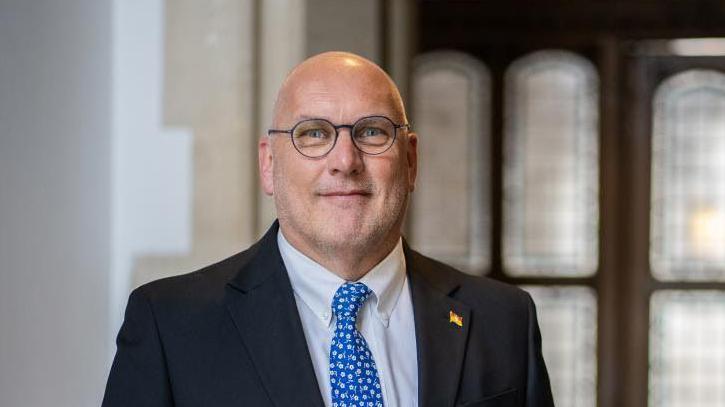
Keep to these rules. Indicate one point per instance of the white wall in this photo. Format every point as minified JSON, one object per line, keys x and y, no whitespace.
{"x":151,"y":163}
{"x":54,"y":201}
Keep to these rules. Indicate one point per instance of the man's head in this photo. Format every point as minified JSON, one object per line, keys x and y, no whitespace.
{"x":346,"y":203}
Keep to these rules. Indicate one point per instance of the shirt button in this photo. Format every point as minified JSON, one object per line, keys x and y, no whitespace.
{"x":325,"y":315}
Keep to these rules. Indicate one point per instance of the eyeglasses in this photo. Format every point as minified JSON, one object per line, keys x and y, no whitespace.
{"x":315,"y":138}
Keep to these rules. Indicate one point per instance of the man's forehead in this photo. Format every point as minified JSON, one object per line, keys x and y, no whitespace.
{"x":332,"y":64}
{"x":344,"y":82}
{"x":337,"y":85}
{"x":341,"y":104}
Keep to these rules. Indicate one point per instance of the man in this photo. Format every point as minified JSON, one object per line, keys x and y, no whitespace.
{"x":331,"y":307}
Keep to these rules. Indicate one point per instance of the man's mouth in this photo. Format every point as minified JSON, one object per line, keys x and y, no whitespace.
{"x":344,"y":193}
{"x":345,"y":197}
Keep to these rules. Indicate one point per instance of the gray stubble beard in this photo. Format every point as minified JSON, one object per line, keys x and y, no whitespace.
{"x":379,"y":227}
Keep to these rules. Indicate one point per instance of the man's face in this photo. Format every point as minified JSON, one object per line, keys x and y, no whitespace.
{"x":346,"y":199}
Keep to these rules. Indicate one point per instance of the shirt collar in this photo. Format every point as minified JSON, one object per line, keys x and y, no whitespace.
{"x":315,"y":285}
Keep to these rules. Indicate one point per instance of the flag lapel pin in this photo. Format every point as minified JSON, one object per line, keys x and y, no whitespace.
{"x":454,"y":318}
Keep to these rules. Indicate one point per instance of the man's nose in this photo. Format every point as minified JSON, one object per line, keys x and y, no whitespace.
{"x":345,"y":158}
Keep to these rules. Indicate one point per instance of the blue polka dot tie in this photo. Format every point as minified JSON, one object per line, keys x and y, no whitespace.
{"x":353,"y":375}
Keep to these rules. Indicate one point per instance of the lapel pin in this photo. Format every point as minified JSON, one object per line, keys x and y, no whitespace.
{"x":454,"y":318}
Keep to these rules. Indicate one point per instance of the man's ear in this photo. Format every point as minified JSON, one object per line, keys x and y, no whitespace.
{"x":412,"y":156}
{"x":266,"y":164}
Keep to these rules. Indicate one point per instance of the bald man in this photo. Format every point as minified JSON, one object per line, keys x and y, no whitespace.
{"x":331,"y":307}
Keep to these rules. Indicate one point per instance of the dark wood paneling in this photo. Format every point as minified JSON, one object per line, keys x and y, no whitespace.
{"x":475,"y":23}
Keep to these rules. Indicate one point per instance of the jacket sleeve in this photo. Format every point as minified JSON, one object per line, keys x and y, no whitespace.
{"x":538,"y":388}
{"x":139,"y":376}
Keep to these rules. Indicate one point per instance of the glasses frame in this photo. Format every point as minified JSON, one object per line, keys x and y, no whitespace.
{"x":337,"y":133}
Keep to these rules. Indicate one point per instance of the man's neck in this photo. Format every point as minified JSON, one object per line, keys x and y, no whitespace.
{"x":349,"y":263}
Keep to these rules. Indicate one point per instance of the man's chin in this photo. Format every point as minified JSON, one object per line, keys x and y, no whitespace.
{"x":344,"y":232}
{"x":348,"y":234}
{"x":346,"y":203}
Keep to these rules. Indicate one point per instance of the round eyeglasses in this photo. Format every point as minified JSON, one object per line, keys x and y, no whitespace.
{"x":315,"y":138}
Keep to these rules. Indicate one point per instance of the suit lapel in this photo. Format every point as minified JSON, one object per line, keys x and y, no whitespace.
{"x":261,"y":302}
{"x":441,"y":343}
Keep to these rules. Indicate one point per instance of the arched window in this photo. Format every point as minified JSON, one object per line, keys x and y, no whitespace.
{"x":451,"y":114}
{"x":687,"y":240}
{"x":551,"y":207}
{"x":551,"y":160}
{"x":688,"y":178}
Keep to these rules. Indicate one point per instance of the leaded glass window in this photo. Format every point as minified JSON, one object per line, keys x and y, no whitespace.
{"x":688,"y":178}
{"x":687,"y":240}
{"x":568,"y":322}
{"x":687,"y":349}
{"x":551,"y":154}
{"x":451,"y":114}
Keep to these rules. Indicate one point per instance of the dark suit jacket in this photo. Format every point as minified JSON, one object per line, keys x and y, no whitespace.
{"x":230,"y":335}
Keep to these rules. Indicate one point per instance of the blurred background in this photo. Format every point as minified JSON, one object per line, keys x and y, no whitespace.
{"x":574,"y":148}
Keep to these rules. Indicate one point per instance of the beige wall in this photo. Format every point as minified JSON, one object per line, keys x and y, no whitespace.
{"x":224,"y":62}
{"x":76,"y":212}
{"x":209,"y":88}
{"x":345,"y":25}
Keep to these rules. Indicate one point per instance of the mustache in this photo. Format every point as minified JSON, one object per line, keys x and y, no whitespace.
{"x":365,"y":187}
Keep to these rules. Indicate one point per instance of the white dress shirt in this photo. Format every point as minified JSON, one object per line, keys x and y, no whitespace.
{"x":385,"y":320}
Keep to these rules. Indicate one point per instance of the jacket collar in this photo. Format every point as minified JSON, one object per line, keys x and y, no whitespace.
{"x":261,"y":303}
{"x":441,"y":328}
{"x":264,"y":262}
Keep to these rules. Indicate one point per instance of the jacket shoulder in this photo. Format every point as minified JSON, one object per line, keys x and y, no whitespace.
{"x":477,"y":291}
{"x":202,"y":285}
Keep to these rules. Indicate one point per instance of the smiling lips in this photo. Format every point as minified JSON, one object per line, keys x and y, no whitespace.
{"x":345,"y":196}
{"x":354,"y":192}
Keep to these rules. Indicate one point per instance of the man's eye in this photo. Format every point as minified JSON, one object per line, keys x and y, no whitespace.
{"x":315,"y":133}
{"x":371,"y":132}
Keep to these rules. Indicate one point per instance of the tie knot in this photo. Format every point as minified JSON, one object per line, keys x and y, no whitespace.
{"x":348,"y":300}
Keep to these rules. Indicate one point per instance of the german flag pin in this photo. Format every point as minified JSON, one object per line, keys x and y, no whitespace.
{"x":454,"y":318}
